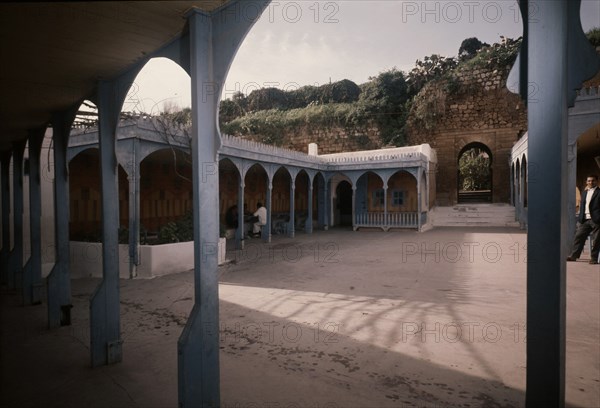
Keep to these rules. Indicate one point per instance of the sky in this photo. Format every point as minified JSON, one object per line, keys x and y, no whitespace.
{"x":309,"y":42}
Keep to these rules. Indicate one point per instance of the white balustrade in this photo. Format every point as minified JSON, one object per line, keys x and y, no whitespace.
{"x":394,"y":219}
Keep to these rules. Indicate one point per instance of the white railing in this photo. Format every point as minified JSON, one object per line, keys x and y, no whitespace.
{"x":258,"y":147}
{"x":403,"y":219}
{"x":153,"y":129}
{"x":394,"y":219}
{"x":370,"y":219}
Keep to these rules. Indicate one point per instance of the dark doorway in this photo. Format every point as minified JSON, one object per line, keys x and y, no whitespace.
{"x":475,"y":174}
{"x":344,"y":203}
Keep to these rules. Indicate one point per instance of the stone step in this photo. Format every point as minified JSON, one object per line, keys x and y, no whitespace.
{"x":512,"y":224}
{"x":469,"y":215}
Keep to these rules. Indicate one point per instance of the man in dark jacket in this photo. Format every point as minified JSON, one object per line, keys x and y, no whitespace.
{"x":589,"y":220}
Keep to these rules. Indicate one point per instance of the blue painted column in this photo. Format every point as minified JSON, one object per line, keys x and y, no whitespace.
{"x":133,"y":177}
{"x":15,"y":268}
{"x":213,"y":39}
{"x":309,"y":219}
{"x":292,"y":227}
{"x":385,"y":207}
{"x":559,"y":59}
{"x":517,"y":183}
{"x":547,"y":125}
{"x":354,"y":207}
{"x":266,"y":235}
{"x":198,"y":346}
{"x":105,"y":337}
{"x":522,"y":182}
{"x":240,"y":233}
{"x":59,"y":280}
{"x":5,"y":185}
{"x":32,"y":271}
{"x":512,"y":182}
{"x":327,"y":205}
{"x":419,"y":199}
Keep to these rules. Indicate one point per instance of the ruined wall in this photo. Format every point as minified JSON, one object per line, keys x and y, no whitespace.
{"x":329,"y":139}
{"x":471,"y":106}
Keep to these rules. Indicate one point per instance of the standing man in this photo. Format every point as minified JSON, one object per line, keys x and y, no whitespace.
{"x":261,"y":214}
{"x":589,"y":220}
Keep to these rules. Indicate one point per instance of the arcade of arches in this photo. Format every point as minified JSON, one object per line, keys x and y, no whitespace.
{"x":386,"y":198}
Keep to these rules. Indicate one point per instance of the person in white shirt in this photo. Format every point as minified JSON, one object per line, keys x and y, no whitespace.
{"x":261,"y":213}
{"x":589,"y":221}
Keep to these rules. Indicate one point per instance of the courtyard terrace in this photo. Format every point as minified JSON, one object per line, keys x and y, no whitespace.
{"x":332,"y":319}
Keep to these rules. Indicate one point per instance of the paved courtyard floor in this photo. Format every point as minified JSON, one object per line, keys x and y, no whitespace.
{"x":336,"y":319}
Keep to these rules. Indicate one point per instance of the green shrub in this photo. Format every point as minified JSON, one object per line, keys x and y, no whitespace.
{"x":181,"y":230}
{"x":500,"y":55}
{"x":385,"y":101}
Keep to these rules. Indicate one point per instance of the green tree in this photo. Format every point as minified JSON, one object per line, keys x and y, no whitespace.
{"x":384,"y":98}
{"x":267,"y":98}
{"x":501,"y":55}
{"x":469,"y":48}
{"x":229,"y":110}
{"x":474,"y":170}
{"x":305,"y":96}
{"x":344,"y":91}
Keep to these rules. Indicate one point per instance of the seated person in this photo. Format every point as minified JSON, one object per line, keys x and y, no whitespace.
{"x":261,"y":213}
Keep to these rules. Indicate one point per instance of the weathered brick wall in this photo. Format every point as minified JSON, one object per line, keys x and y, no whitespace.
{"x":472,"y":107}
{"x":449,"y":146}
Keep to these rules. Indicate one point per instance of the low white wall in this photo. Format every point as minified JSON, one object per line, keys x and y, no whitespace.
{"x":155,"y":260}
{"x":158,"y":260}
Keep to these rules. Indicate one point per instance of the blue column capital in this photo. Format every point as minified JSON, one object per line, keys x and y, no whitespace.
{"x":195,"y":11}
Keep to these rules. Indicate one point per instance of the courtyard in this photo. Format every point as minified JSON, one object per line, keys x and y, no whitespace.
{"x":333,"y":319}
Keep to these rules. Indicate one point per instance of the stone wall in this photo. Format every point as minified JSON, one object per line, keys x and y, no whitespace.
{"x":330,"y":139}
{"x":472,"y":106}
{"x":449,"y":145}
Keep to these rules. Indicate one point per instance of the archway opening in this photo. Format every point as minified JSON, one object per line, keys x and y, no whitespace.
{"x":475,"y":174}
{"x":319,"y":202}
{"x":280,"y":201}
{"x":344,"y":203}
{"x":161,"y":88}
{"x":166,"y":193}
{"x":256,"y":181}
{"x":301,"y":203}
{"x":229,"y":187}
{"x":85,"y":198}
{"x":255,"y":192}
